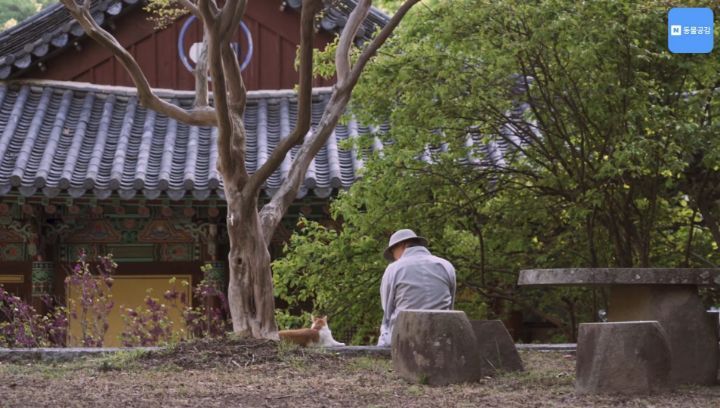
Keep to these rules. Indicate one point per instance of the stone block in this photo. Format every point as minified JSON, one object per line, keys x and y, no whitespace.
{"x":436,"y":347}
{"x":632,"y":358}
{"x":496,"y":347}
{"x":693,"y":333}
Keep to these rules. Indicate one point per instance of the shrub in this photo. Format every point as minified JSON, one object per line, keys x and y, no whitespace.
{"x":92,"y":308}
{"x":24,"y":327}
{"x":151,"y":325}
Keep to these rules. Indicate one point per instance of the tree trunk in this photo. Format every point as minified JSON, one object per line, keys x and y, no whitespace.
{"x":250,"y":290}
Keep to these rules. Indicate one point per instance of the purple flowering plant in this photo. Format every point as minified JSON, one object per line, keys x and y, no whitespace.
{"x":89,"y":303}
{"x":94,"y":301}
{"x":22,"y":326}
{"x":151,"y":324}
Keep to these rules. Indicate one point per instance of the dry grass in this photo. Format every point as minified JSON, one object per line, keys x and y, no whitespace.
{"x":256,"y":374}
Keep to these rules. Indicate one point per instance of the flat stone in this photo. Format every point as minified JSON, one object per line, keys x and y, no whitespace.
{"x":621,"y":276}
{"x":497,"y":350}
{"x":436,"y":347}
{"x":631,"y":358}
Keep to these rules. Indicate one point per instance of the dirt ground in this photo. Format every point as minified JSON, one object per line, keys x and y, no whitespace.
{"x":234,"y":373}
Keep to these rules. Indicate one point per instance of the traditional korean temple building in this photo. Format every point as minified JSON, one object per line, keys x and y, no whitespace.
{"x":84,"y":166}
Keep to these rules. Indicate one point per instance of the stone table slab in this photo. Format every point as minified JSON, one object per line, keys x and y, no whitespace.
{"x":620,"y":276}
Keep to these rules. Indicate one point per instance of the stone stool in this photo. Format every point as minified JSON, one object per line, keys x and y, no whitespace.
{"x":435,"y":347}
{"x":497,"y":349}
{"x":623,"y":358}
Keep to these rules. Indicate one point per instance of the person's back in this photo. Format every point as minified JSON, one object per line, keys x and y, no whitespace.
{"x":415,"y":280}
{"x":423,"y":281}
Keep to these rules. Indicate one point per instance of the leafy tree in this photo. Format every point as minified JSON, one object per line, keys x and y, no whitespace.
{"x":607,"y":142}
{"x":13,"y":11}
{"x":250,"y":228}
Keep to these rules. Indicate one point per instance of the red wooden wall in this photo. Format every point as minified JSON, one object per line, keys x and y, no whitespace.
{"x":275,"y":35}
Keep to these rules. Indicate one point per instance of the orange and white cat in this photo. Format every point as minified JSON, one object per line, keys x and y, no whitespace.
{"x":318,"y":335}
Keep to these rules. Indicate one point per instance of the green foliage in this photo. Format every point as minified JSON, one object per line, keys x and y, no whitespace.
{"x":620,"y":152}
{"x":332,"y":276}
{"x":287,"y":320}
{"x":164,"y":12}
{"x":367,"y":364}
{"x":390,"y":6}
{"x":15,"y":11}
{"x":323,"y":59}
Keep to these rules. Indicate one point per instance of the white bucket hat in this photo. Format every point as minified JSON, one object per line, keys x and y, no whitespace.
{"x":401,"y":236}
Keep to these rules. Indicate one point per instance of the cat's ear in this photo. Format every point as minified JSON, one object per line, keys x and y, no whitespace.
{"x":324,"y":318}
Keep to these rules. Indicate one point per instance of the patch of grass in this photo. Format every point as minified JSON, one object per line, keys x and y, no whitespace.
{"x":291,"y":353}
{"x":285,"y":347}
{"x":423,"y":379}
{"x":370,"y":364}
{"x":415,"y":390}
{"x":45,"y":369}
{"x":120,"y":361}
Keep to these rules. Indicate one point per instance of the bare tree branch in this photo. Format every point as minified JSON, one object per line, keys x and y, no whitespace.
{"x":342,"y":54}
{"x":208,"y":12}
{"x":231,"y":142}
{"x":232,"y":13}
{"x":273,"y":211}
{"x":188,"y":4}
{"x":307,"y":32}
{"x":200,"y":72}
{"x":378,"y":41}
{"x":236,"y":85}
{"x":231,"y":132}
{"x":196,"y":116}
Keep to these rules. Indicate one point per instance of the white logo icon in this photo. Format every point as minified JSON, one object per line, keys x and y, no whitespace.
{"x":675,"y":30}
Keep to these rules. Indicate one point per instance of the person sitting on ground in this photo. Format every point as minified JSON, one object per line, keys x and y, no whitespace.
{"x":415,"y":279}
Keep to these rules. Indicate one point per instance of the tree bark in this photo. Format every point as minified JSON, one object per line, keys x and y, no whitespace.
{"x":251,"y":288}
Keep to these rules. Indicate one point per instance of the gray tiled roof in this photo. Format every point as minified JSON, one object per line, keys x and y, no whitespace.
{"x":49,"y":31}
{"x":337,"y":12}
{"x":76,"y":138}
{"x":53,"y":29}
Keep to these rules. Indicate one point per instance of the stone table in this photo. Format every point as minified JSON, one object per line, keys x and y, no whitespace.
{"x":668,"y":295}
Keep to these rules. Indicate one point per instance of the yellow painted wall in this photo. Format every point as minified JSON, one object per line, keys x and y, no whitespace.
{"x":129,"y":292}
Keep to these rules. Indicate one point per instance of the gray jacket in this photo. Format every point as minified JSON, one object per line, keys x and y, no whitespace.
{"x":418,"y":280}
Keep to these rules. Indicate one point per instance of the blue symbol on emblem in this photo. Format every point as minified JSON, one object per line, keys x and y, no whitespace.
{"x":690,"y":30}
{"x":195,"y":48}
